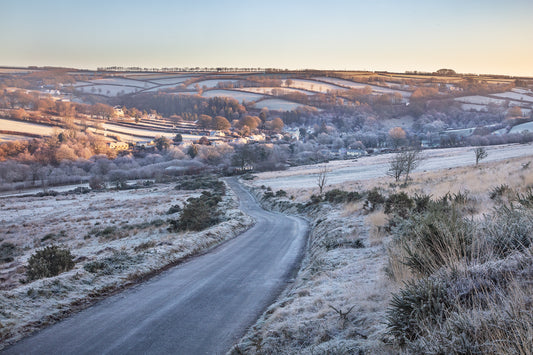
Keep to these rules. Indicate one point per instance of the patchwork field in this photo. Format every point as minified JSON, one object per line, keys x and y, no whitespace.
{"x":277,"y":105}
{"x":28,"y":127}
{"x":237,"y":95}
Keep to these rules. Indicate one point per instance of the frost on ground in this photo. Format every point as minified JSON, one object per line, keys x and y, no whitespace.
{"x":339,"y":302}
{"x":339,"y":298}
{"x":117,"y":238}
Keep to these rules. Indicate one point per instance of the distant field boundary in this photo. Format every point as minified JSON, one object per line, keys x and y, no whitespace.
{"x":24,"y":134}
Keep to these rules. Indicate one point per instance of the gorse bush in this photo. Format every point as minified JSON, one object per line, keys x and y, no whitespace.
{"x":416,"y":305}
{"x":400,"y":204}
{"x":509,"y":229}
{"x":474,"y":286}
{"x":373,"y":199}
{"x":112,"y":264}
{"x":199,"y":213}
{"x":48,"y":262}
{"x":341,"y":196}
{"x":202,"y":183}
{"x":435,"y":238}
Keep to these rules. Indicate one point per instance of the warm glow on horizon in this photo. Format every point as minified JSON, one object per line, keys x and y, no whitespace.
{"x":487,"y":37}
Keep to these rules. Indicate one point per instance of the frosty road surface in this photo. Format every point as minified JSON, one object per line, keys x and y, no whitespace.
{"x":200,"y":307}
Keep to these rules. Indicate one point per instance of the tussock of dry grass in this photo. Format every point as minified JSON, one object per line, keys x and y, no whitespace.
{"x":377,"y":221}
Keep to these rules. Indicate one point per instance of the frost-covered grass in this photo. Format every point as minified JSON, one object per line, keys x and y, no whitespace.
{"x":341,"y":300}
{"x":338,"y":301}
{"x":354,"y":85}
{"x":211,"y":83}
{"x":516,"y":96}
{"x":11,"y":137}
{"x":480,"y":100}
{"x":274,"y":90}
{"x":476,"y":107}
{"x":26,"y":127}
{"x":522,"y":127}
{"x":128,"y":133}
{"x":312,"y":85}
{"x":108,"y":90}
{"x":237,"y":95}
{"x":171,"y":81}
{"x":161,"y":87}
{"x":121,"y":82}
{"x":116,"y":237}
{"x":277,"y":105}
{"x":374,"y":167}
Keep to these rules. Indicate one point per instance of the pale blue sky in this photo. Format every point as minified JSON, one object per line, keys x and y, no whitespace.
{"x":479,"y":36}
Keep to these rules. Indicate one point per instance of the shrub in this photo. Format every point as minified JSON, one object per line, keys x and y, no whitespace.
{"x":107,"y":266}
{"x":202,"y":183}
{"x":267,"y":195}
{"x":509,"y":229}
{"x":414,"y":306}
{"x":373,"y":199}
{"x":333,"y":243}
{"x":525,"y":199}
{"x":48,"y":262}
{"x":399,"y":204}
{"x":281,"y":193}
{"x":174,"y":209}
{"x":434,"y":239}
{"x":315,"y":199}
{"x":340,"y":196}
{"x":96,"y":183}
{"x":199,"y":213}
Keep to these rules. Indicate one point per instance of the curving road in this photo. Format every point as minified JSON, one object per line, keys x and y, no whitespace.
{"x":200,"y":307}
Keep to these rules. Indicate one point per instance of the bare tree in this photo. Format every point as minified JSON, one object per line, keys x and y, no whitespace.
{"x":396,"y":167}
{"x":403,"y":163}
{"x":412,"y":160}
{"x":481,"y":153}
{"x":322,"y":178}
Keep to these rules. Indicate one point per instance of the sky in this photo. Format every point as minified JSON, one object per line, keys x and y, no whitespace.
{"x":469,"y":36}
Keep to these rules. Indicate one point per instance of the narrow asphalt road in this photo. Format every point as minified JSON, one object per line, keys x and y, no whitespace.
{"x":200,"y":307}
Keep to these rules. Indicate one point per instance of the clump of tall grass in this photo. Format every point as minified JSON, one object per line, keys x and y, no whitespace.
{"x":471,"y":282}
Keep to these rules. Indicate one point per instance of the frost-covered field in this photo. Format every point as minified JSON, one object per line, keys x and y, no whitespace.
{"x":11,"y":137}
{"x":170,"y":81}
{"x":476,"y":107}
{"x":311,"y":85}
{"x":108,"y":90}
{"x":277,"y":105}
{"x":211,"y":83}
{"x":161,"y":87}
{"x":274,"y":90}
{"x":480,"y":100}
{"x":26,"y":127}
{"x":375,"y":167}
{"x":522,"y":127}
{"x":124,"y":231}
{"x":515,"y":96}
{"x":237,"y":95}
{"x":121,"y":82}
{"x":354,"y":85}
{"x":140,"y":134}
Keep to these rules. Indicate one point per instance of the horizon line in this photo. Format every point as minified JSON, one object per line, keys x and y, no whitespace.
{"x":116,"y":68}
